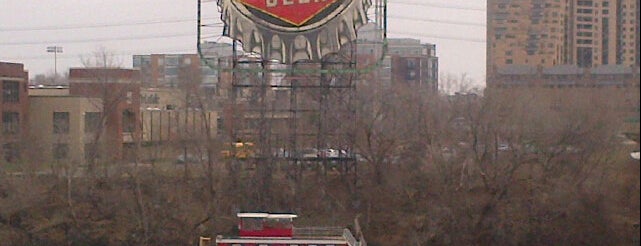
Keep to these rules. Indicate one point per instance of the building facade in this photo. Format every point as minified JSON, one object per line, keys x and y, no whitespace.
{"x":278,"y":230}
{"x":14,"y":107}
{"x":63,"y":126}
{"x":414,"y":63}
{"x":615,"y":87}
{"x":165,"y":70}
{"x":397,"y":61}
{"x":170,"y":70}
{"x":120,"y":93}
{"x":546,"y":33}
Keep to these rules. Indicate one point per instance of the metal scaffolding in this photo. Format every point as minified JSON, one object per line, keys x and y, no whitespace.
{"x":297,"y":117}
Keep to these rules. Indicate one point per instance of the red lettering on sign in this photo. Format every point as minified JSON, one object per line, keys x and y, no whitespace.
{"x":296,"y":12}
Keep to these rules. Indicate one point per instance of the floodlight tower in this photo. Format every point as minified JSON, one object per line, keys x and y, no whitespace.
{"x":55,"y":50}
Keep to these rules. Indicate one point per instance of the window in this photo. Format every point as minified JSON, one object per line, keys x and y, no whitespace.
{"x":584,"y":41}
{"x":585,"y":18}
{"x":60,"y":122}
{"x":91,"y":152}
{"x":584,"y":34}
{"x":584,"y":26}
{"x":584,"y":57}
{"x":171,"y":71}
{"x":10,"y":123}
{"x":128,"y":121}
{"x":252,"y":224}
{"x":10,"y":91}
{"x":172,"y":61}
{"x":93,"y":122}
{"x":585,"y":3}
{"x":411,"y":64}
{"x":411,"y":75}
{"x":584,"y":11}
{"x":60,"y":151}
{"x":11,"y":152}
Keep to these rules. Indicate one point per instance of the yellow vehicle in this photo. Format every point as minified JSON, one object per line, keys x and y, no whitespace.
{"x":239,"y":150}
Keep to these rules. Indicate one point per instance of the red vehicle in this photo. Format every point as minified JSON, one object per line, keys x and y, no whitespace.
{"x":264,"y":229}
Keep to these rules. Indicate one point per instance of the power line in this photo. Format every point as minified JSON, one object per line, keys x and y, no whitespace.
{"x":436,"y":5}
{"x":181,"y":20}
{"x":119,"y":54}
{"x":101,"y":25}
{"x":437,"y":21}
{"x":424,"y":35}
{"x":71,"y":41}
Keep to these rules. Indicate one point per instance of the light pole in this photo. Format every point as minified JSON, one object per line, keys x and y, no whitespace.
{"x":55,"y":50}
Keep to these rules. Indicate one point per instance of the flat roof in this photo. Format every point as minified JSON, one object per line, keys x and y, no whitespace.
{"x":282,"y":216}
{"x":266,"y":215}
{"x":252,"y":215}
{"x":271,"y":241}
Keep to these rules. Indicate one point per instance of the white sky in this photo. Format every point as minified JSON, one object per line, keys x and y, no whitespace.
{"x":27,"y":27}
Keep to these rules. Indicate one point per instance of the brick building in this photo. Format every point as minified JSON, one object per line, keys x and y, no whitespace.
{"x":14,"y":107}
{"x":406,"y":61}
{"x":119,"y":93}
{"x":171,"y":70}
{"x":414,"y":63}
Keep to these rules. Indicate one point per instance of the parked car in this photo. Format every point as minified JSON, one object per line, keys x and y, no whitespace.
{"x":504,"y":147}
{"x":309,"y":153}
{"x":190,"y":158}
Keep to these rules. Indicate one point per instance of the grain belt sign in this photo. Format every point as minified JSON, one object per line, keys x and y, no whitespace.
{"x":293,"y":30}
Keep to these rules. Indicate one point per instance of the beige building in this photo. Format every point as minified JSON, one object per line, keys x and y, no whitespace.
{"x":546,"y":33}
{"x":162,"y":98}
{"x":530,"y":32}
{"x":604,"y":32}
{"x":63,"y":125}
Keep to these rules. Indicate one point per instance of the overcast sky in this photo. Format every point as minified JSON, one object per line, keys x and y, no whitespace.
{"x":127,"y":27}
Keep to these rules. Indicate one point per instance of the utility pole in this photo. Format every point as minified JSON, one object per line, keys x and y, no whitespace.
{"x":55,"y":50}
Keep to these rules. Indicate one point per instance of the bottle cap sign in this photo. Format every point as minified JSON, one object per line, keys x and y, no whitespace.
{"x":293,"y":30}
{"x":294,"y":12}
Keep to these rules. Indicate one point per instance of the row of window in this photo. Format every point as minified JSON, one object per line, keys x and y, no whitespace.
{"x":10,"y":91}
{"x":92,"y":122}
{"x":59,"y":151}
{"x":11,"y":152}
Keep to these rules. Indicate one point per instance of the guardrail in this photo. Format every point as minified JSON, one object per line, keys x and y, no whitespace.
{"x":309,"y":232}
{"x":351,"y":240}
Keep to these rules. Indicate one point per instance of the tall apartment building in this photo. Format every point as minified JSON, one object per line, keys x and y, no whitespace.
{"x":604,"y":32}
{"x":530,"y":32}
{"x":545,"y":33}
